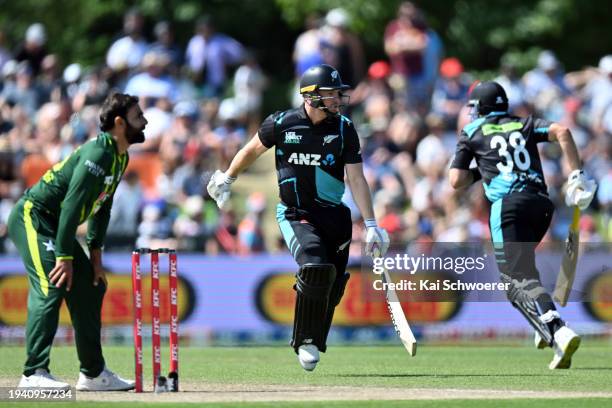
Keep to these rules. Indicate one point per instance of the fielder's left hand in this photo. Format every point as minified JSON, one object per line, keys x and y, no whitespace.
{"x":377,"y":239}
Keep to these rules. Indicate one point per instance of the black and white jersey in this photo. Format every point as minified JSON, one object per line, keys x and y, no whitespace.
{"x":310,"y":158}
{"x":505,"y":149}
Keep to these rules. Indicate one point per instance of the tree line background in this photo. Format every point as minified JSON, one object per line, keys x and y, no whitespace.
{"x":478,"y":32}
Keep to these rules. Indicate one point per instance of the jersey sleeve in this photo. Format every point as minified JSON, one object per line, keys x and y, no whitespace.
{"x":87,"y":173}
{"x":266,"y":131}
{"x":351,"y":152}
{"x":540,"y":129}
{"x":463,"y":153}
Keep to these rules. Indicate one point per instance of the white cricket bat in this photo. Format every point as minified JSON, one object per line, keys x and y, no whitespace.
{"x":567,"y":273}
{"x":398,"y":318}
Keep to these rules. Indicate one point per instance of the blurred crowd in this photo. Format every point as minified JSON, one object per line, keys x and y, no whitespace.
{"x":203,"y":101}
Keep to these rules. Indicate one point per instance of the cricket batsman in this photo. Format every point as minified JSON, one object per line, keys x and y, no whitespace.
{"x":43,"y":227}
{"x":314,"y":146}
{"x":507,"y":158}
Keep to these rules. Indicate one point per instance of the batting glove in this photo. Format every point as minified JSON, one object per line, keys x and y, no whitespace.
{"x":377,"y":239}
{"x":219,"y":188}
{"x":580,"y":190}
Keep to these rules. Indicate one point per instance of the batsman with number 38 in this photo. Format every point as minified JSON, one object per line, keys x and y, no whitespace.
{"x":43,"y":227}
{"x":314,"y":146}
{"x":505,"y":149}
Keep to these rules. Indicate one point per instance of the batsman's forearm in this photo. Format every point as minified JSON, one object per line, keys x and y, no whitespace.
{"x":568,"y":147}
{"x":362,"y":197}
{"x":243,"y":159}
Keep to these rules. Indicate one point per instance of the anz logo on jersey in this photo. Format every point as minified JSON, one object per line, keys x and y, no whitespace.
{"x":305,"y":159}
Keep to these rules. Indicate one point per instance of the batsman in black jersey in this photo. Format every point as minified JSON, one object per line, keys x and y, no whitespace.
{"x":314,"y":146}
{"x":505,"y":149}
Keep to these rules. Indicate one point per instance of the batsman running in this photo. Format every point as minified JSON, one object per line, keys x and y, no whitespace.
{"x":506,"y":153}
{"x":314,"y":144}
{"x":43,"y":227}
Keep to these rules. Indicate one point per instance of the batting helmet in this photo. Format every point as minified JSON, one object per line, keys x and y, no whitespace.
{"x":321,"y":77}
{"x":487,"y":97}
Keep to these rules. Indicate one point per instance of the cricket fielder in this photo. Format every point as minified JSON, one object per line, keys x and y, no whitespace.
{"x":314,"y":146}
{"x":505,"y":149}
{"x":43,"y":227}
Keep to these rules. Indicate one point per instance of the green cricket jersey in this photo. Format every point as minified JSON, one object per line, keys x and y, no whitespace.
{"x":78,"y":188}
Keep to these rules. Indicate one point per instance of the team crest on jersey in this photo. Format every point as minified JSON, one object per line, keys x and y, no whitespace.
{"x":292,"y":138}
{"x":108,"y":180}
{"x":305,"y":159}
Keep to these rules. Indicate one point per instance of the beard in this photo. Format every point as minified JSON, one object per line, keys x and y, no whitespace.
{"x":134,"y":135}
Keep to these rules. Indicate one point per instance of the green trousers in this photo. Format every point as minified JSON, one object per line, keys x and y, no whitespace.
{"x":34,"y":236}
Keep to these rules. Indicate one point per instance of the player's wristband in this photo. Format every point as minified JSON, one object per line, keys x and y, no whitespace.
{"x":475,"y":174}
{"x":229,"y":179}
{"x":370,"y":223}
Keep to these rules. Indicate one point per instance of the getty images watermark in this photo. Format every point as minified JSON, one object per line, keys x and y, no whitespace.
{"x":411,"y":265}
{"x":449,"y":271}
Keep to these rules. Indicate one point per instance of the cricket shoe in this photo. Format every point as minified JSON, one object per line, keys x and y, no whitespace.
{"x":42,"y":379}
{"x":106,"y":381}
{"x":539,"y":342}
{"x":308,"y":355}
{"x":565,"y":344}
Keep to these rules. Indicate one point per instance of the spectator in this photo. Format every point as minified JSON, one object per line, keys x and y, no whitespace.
{"x":125,"y":214}
{"x":414,"y":51}
{"x":154,"y":83}
{"x":165,"y":44}
{"x":545,"y":86}
{"x":249,"y":84}
{"x":342,"y":49}
{"x":33,"y":50}
{"x":600,"y":92}
{"x":5,"y":54}
{"x":208,"y":56}
{"x":128,"y":51}
{"x":24,"y":91}
{"x":451,"y":91}
{"x":307,"y":48}
{"x":512,"y":84}
{"x":250,"y":229}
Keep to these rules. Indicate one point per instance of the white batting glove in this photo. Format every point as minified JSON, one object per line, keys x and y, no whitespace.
{"x":219,"y":188}
{"x":580,"y":190}
{"x":377,"y":239}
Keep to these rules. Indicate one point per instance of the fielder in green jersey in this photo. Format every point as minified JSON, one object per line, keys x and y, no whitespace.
{"x":43,"y":227}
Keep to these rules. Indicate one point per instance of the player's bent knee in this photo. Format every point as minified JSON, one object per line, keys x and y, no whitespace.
{"x":315,"y":280}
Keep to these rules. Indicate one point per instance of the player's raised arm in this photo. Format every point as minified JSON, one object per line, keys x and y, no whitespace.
{"x":220,"y":183}
{"x":580,"y":189}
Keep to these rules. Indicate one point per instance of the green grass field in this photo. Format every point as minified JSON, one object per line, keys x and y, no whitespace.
{"x":439,"y":369}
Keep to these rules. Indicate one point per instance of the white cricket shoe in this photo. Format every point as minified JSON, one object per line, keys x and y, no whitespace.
{"x":308,"y":355}
{"x":565,"y":345}
{"x":42,"y":379}
{"x":106,"y":381}
{"x":539,"y":342}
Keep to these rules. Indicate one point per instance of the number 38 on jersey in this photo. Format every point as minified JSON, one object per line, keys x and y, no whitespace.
{"x":517,"y":156}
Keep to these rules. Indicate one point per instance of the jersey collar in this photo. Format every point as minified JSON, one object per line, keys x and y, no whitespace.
{"x":110,"y":140}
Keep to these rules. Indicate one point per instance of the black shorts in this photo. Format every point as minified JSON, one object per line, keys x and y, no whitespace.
{"x":318,"y":235}
{"x":518,"y":223}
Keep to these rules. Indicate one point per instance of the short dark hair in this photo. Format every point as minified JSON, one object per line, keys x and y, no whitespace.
{"x":116,"y":104}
